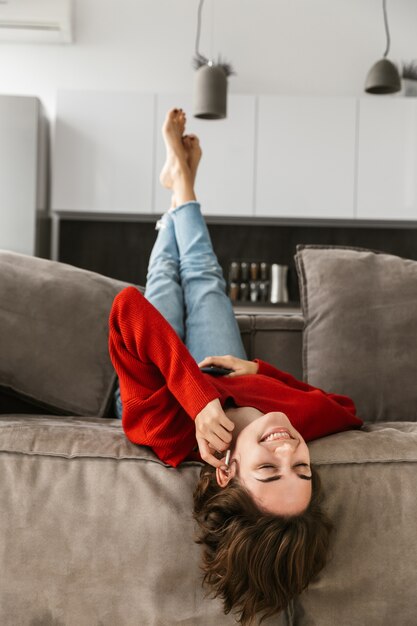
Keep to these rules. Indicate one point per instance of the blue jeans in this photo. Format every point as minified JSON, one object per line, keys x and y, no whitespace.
{"x":185,"y":283}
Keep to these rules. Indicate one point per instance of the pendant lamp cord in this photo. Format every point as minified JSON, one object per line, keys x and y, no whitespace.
{"x":384,"y":6}
{"x":199,"y":56}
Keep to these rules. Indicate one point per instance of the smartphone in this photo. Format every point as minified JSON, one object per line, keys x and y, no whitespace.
{"x":215,"y":370}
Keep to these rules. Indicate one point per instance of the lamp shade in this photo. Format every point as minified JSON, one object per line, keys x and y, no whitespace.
{"x":210,"y":92}
{"x":383,"y":77}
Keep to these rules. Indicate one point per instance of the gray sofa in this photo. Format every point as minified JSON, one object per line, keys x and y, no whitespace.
{"x":96,"y":531}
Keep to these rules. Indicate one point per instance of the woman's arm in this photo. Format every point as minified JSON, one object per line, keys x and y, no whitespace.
{"x":269,"y":370}
{"x":159,"y":381}
{"x":257,"y":366}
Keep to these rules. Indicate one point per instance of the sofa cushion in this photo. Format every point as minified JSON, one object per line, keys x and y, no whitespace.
{"x":53,"y":334}
{"x":369,"y":482}
{"x":360,"y":337}
{"x":88,"y":511}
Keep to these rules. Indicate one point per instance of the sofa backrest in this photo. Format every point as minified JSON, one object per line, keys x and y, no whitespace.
{"x":53,"y":336}
{"x":275,"y":338}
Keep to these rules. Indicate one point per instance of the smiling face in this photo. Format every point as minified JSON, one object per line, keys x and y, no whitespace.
{"x":271,"y":459}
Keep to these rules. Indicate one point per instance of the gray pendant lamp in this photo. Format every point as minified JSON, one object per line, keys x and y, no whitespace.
{"x":210,"y":84}
{"x":383,"y":77}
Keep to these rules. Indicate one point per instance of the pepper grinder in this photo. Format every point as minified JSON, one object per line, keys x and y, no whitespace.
{"x":279,"y":289}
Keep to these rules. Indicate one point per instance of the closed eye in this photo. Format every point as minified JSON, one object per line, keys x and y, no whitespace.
{"x":296,"y":465}
{"x":277,"y":477}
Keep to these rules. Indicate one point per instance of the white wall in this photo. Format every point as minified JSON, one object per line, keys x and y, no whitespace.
{"x":299,"y":47}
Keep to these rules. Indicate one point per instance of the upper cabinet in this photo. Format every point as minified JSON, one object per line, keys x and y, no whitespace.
{"x":305,"y":164}
{"x":23,"y":167}
{"x":103,"y":152}
{"x":387,"y":158}
{"x":273,"y":156}
{"x":225,"y":179}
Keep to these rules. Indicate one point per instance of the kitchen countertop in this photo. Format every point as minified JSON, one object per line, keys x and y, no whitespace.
{"x":290,"y":308}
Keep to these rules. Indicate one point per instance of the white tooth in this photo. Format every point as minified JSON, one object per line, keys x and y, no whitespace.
{"x":279,"y":435}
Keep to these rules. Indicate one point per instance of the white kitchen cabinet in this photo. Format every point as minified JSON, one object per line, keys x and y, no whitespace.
{"x":23,"y":166}
{"x":387,"y":158}
{"x":305,"y":164}
{"x":273,"y":156}
{"x":226,"y":172}
{"x":103,"y":152}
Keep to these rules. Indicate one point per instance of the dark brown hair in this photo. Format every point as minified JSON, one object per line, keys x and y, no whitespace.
{"x":254,"y":561}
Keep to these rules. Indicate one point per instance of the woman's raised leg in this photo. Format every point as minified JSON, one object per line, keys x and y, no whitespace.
{"x":163,"y":288}
{"x":210,"y":324}
{"x":163,"y":285}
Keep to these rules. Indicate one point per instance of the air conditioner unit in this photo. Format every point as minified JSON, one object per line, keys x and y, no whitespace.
{"x":36,"y":21}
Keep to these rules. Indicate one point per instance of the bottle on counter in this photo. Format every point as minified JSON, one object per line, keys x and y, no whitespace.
{"x":244,"y":292}
{"x":234,"y":272}
{"x":244,"y":272}
{"x":234,"y":292}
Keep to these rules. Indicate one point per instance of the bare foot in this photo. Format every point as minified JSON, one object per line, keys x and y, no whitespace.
{"x":172,"y":132}
{"x":193,"y":151}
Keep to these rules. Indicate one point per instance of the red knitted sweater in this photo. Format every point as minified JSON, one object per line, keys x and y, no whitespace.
{"x":163,"y":390}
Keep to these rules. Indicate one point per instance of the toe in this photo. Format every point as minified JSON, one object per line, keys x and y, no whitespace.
{"x":170,"y":118}
{"x":173,"y":114}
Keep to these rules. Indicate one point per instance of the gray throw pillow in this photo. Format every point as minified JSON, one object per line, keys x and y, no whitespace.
{"x":360,"y":336}
{"x":54,"y":334}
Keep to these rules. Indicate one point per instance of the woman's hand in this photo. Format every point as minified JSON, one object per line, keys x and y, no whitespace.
{"x":239,"y":366}
{"x":213,"y":432}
